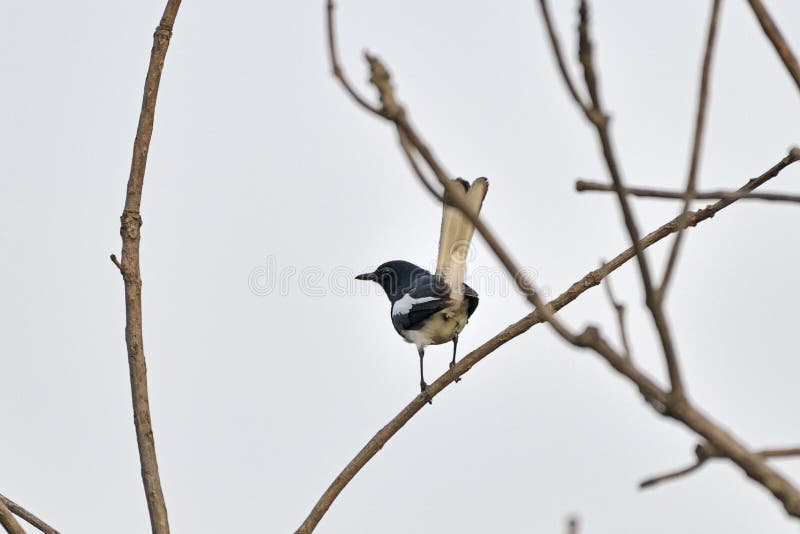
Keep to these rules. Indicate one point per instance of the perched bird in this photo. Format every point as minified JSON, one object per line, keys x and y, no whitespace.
{"x":431,"y":309}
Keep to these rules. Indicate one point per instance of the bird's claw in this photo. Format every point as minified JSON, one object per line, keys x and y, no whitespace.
{"x":452,"y":365}
{"x":424,"y":390}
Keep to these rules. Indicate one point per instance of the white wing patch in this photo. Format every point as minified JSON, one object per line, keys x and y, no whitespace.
{"x":404,"y":305}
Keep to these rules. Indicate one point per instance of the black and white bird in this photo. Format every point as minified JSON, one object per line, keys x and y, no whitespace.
{"x":431,"y":309}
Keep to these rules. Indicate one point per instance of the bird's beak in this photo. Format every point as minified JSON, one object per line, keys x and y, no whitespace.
{"x":372,"y":277}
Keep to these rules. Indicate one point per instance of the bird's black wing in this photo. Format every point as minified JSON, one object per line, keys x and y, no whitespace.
{"x":427,"y":297}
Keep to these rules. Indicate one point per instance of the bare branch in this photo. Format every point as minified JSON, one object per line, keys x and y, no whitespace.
{"x":8,"y":521}
{"x":22,"y":513}
{"x":131,"y":222}
{"x":562,"y":66}
{"x":590,"y":280}
{"x":408,"y":150}
{"x":338,"y":72}
{"x":620,"y":311}
{"x":704,"y":452}
{"x":774,"y":35}
{"x":691,"y":181}
{"x":598,"y":117}
{"x":583,"y":186}
{"x":650,"y":482}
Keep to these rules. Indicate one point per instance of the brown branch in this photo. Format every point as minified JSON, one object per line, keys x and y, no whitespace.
{"x":8,"y":521}
{"x":590,"y":280}
{"x":562,"y":66}
{"x":699,"y":127}
{"x":583,"y":186}
{"x":131,"y":222}
{"x":408,"y":150}
{"x":650,"y":482}
{"x":598,"y":117}
{"x":704,"y":452}
{"x":774,"y":35}
{"x":22,"y":513}
{"x":619,"y":308}
{"x":336,"y":68}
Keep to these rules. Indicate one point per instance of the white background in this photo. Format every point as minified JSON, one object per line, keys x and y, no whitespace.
{"x":259,"y":401}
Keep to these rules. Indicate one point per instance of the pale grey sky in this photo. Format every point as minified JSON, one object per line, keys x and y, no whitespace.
{"x":258,"y":159}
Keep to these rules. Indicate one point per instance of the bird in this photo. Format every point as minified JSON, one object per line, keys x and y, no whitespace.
{"x":433,"y":308}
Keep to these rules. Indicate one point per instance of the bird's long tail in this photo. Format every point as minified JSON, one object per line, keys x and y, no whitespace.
{"x":456,"y":235}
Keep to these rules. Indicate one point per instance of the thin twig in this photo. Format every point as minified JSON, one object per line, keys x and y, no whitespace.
{"x":590,"y":280}
{"x":583,"y":186}
{"x":619,"y":308}
{"x":780,"y":44}
{"x":706,"y":452}
{"x":408,"y":150}
{"x":8,"y":521}
{"x":699,"y":127}
{"x":650,"y":482}
{"x":336,"y":68}
{"x":22,"y":513}
{"x":131,"y":222}
{"x":562,"y":66}
{"x":115,"y":261}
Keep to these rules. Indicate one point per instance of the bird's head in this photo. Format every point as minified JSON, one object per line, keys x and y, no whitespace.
{"x":396,"y":277}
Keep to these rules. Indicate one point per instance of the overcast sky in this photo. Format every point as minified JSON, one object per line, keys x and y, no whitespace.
{"x":261,"y":170}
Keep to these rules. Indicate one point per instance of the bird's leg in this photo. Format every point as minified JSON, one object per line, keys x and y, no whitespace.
{"x":453,"y":362}
{"x":422,"y":385}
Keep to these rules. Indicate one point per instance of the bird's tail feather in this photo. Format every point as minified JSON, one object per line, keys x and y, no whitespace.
{"x":456,"y":235}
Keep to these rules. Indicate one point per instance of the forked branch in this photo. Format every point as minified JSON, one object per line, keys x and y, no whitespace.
{"x":705,"y":452}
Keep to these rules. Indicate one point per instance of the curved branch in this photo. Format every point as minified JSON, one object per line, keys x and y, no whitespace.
{"x":336,"y":68}
{"x":128,"y":265}
{"x":672,"y":474}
